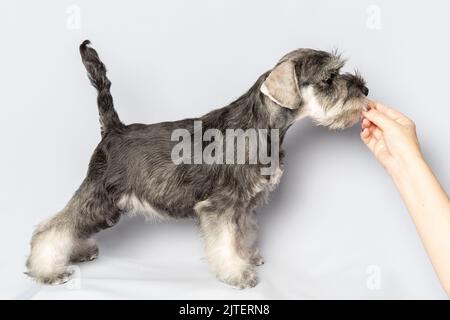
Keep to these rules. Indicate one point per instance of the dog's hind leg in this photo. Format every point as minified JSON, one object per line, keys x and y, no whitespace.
{"x":84,"y":250}
{"x":65,"y":237}
{"x":226,"y":244}
{"x":51,"y":247}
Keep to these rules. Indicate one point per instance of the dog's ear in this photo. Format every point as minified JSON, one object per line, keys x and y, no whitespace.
{"x":281,"y":85}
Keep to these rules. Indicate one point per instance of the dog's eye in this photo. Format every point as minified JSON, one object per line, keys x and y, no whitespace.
{"x":330,"y":79}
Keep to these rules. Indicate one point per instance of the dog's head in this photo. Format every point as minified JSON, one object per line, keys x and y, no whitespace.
{"x":309,"y":82}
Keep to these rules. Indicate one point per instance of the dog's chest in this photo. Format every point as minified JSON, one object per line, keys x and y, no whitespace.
{"x":134,"y":206}
{"x":268,"y":185}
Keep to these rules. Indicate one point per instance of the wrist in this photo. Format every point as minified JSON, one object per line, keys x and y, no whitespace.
{"x":405,"y":167}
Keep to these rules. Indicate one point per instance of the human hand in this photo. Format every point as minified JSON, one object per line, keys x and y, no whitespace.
{"x":391,"y":136}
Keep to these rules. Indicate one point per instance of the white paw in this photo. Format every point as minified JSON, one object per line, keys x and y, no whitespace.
{"x":246,"y":279}
{"x":257,"y":259}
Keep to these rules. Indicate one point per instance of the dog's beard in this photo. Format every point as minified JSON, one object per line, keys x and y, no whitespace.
{"x":347,"y":114}
{"x":340,"y":114}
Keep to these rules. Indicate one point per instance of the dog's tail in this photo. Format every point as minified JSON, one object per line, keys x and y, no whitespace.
{"x":109,"y":119}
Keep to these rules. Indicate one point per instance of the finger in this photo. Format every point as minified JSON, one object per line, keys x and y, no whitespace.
{"x":365,"y":133}
{"x":391,"y":113}
{"x":372,"y":127}
{"x":365,"y":136}
{"x":365,"y":123}
{"x":368,"y":140}
{"x":377,"y":133}
{"x":379,"y":119}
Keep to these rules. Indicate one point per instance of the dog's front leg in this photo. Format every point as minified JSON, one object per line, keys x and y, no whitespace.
{"x":226,"y":242}
{"x":248,"y":228}
{"x":257,"y":259}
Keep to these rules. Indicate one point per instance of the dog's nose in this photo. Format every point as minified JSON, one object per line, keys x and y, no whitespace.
{"x":365,"y":90}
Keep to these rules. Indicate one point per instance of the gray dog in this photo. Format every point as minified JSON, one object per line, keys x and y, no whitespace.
{"x":132,"y":170}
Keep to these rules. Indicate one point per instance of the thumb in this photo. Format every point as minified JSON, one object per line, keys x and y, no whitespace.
{"x":379,"y":119}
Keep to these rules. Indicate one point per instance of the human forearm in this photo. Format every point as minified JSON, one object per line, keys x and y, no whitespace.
{"x":392,"y":138}
{"x":429,"y":207}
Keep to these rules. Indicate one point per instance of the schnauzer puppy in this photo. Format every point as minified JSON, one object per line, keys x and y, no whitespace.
{"x":131,"y":169}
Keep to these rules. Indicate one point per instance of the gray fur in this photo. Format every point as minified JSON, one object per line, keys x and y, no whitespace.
{"x":135,"y":160}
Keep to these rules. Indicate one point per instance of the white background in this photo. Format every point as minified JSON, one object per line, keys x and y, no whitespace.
{"x":335,"y":228}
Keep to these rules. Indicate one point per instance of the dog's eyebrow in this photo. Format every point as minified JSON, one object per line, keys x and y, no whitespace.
{"x":336,"y":64}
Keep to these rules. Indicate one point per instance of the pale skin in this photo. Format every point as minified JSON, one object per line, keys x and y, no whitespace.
{"x":391,"y":136}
